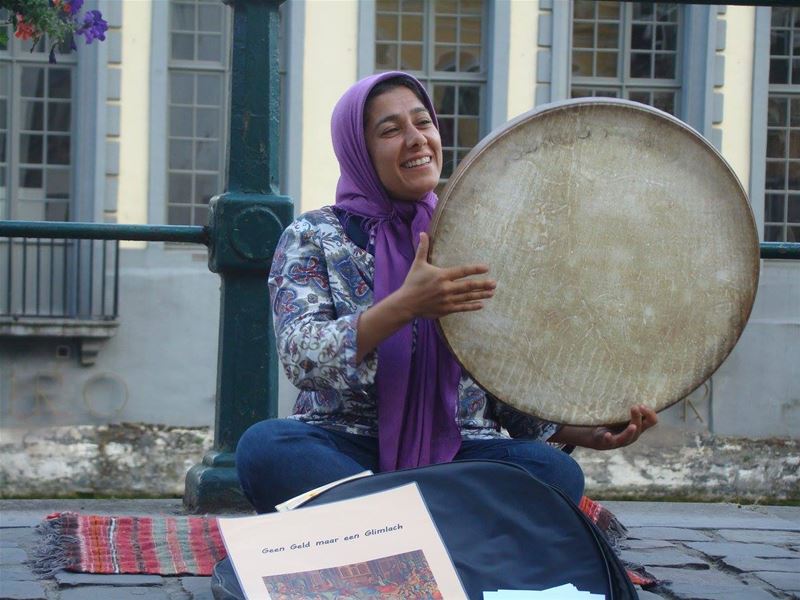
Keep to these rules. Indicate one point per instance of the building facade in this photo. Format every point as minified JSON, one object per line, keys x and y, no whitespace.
{"x":134,"y":130}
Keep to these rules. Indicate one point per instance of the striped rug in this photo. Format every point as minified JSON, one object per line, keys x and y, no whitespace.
{"x":162,"y":545}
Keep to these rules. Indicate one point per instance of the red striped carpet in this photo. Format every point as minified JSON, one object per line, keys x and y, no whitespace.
{"x":163,"y":545}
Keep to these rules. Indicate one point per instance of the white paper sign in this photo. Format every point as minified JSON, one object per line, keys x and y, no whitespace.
{"x":381,"y":545}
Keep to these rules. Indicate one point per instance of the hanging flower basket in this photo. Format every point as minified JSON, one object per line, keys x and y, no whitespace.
{"x":59,"y":20}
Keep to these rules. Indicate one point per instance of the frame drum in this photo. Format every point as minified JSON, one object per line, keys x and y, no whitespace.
{"x":625,"y":253}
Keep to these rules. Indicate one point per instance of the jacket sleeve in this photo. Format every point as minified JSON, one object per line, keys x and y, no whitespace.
{"x":316,"y":347}
{"x":521,"y":425}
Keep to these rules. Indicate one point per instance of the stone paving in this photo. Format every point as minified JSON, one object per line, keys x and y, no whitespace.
{"x":699,"y":551}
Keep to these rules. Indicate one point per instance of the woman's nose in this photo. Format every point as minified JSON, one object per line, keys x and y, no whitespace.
{"x":415,"y":138}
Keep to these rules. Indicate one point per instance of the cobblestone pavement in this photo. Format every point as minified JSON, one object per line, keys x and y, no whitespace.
{"x":699,"y":551}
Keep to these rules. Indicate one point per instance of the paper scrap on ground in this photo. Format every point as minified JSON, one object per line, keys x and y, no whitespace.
{"x":562,"y":592}
{"x":293,"y":503}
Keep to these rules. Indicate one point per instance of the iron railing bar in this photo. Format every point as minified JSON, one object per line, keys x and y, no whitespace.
{"x":78,"y":278}
{"x":52,"y":273}
{"x":64,"y":277}
{"x":106,"y":231}
{"x":91,"y":276}
{"x":780,"y":250}
{"x":103,"y":281}
{"x":24,"y":275}
{"x":116,"y":279}
{"x":10,"y":266}
{"x":38,"y":271}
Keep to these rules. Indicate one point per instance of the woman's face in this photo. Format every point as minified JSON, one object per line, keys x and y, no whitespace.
{"x":404,"y":144}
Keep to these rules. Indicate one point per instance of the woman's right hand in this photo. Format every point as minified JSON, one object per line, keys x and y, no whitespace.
{"x":432,"y":292}
{"x":429,"y":292}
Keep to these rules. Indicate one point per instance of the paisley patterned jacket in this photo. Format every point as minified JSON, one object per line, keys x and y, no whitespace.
{"x":319,"y":283}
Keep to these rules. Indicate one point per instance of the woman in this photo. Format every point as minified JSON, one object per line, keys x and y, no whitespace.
{"x":354,"y":299}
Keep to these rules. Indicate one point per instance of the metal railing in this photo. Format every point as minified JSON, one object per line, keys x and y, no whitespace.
{"x":59,"y":278}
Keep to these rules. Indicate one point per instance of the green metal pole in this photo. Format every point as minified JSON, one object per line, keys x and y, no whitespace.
{"x":245,"y":223}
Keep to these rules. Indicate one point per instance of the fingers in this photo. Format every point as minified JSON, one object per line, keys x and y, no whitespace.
{"x":628,"y":436}
{"x":454,"y":273}
{"x":422,"y":248}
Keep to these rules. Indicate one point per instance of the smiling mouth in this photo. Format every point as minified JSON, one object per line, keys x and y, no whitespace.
{"x":418,"y":162}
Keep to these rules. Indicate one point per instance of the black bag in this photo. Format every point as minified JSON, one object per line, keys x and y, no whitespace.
{"x":503,"y":528}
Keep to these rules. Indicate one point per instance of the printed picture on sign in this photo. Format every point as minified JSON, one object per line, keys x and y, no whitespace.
{"x":404,"y":576}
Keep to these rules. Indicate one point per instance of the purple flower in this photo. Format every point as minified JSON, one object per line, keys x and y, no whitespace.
{"x":74,"y":6}
{"x":94,"y":27}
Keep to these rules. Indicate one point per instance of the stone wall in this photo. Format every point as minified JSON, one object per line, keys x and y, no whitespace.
{"x":143,"y":460}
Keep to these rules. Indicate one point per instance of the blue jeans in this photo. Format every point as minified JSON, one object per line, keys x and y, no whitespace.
{"x":282,"y":458}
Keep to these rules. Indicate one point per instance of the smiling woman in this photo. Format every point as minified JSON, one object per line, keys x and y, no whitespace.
{"x":355,"y":300}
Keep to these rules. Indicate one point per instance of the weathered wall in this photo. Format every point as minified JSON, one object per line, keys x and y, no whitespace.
{"x":151,"y":460}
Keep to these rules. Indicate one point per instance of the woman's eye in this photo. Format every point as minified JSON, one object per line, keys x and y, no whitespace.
{"x":390,"y":131}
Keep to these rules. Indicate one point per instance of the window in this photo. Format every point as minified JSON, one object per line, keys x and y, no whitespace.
{"x":198,"y":90}
{"x":627,"y":50}
{"x":36,"y":126}
{"x":782,"y":183}
{"x":441,"y":43}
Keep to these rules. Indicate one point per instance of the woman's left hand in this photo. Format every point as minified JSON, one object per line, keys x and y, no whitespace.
{"x":609,"y":438}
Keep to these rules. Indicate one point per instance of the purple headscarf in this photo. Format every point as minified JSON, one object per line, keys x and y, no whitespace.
{"x":417,"y":391}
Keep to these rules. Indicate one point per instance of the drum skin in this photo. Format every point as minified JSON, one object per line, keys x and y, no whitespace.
{"x":625,"y":253}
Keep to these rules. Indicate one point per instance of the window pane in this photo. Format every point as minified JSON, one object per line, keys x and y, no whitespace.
{"x":779,"y":43}
{"x":32,"y":82}
{"x":59,"y":83}
{"x":666,"y":37}
{"x":181,"y":88}
{"x":446,"y":127}
{"x":411,"y":5}
{"x":411,"y":57}
{"x":608,"y":10}
{"x":642,"y":37}
{"x":443,"y":99}
{"x":385,"y":27}
{"x":182,"y":46}
{"x":58,"y":150}
{"x":664,"y":101}
{"x":773,"y":208}
{"x":209,"y":90}
{"x":446,"y":29}
{"x":781,"y":16}
{"x":206,"y":156}
{"x":58,"y":116}
{"x":180,"y":121}
{"x":666,"y":12}
{"x":469,"y":60}
{"x":796,"y":71}
{"x":793,"y":234}
{"x":582,"y":35}
{"x":210,"y":18}
{"x":200,"y":215}
{"x":384,"y":5}
{"x":779,"y":70}
{"x":207,"y":186}
{"x":411,"y":28}
{"x":793,"y":215}
{"x":179,"y":215}
{"x":207,"y":123}
{"x":641,"y":65}
{"x":180,"y":154}
{"x":180,"y":188}
{"x":30,"y":148}
{"x":773,"y":233}
{"x":776,"y":175}
{"x":665,"y":66}
{"x":57,"y":183}
{"x":794,"y":144}
{"x":794,"y":119}
{"x":56,"y":211}
{"x":794,"y":175}
{"x":467,"y":132}
{"x":385,"y":56}
{"x":582,"y":64}
{"x":643,"y":97}
{"x":608,"y":35}
{"x":470,"y":31}
{"x":468,"y":100}
{"x":776,"y":144}
{"x":776,"y":111}
{"x":445,"y":58}
{"x":607,"y":64}
{"x":209,"y":47}
{"x":30,"y":178}
{"x":642,"y":11}
{"x":32,"y":116}
{"x":182,"y":16}
{"x":583,"y":9}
